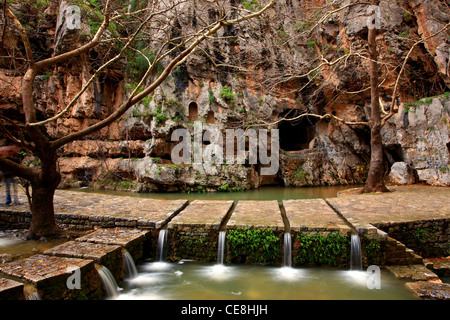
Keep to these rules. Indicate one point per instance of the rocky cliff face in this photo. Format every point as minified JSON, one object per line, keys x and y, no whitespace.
{"x":266,"y":71}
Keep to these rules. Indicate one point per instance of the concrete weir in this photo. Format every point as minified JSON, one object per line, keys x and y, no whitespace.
{"x":194,"y":232}
{"x":106,"y":255}
{"x":256,"y":231}
{"x":49,"y":275}
{"x":11,"y":290}
{"x":418,"y":217}
{"x":50,"y":272}
{"x":257,"y":214}
{"x":135,"y":241}
{"x":313,"y":215}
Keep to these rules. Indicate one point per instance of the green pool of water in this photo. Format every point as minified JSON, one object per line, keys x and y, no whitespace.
{"x":189,"y":281}
{"x":11,"y":244}
{"x":263,"y":193}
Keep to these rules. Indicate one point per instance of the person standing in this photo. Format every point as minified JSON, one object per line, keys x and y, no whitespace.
{"x":10,"y":180}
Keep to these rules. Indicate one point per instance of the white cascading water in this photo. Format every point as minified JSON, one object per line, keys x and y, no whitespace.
{"x":287,"y":249}
{"x":162,"y":240}
{"x":109,"y":283}
{"x":221,"y":247}
{"x":355,"y":253}
{"x":33,"y":296}
{"x":129,"y":265}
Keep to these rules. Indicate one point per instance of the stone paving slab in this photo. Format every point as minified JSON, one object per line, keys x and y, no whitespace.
{"x":313,"y":215}
{"x":135,"y":241}
{"x":441,"y":266}
{"x":50,"y":276}
{"x":257,"y":214}
{"x":84,"y":250}
{"x":413,"y":272}
{"x":39,"y":268}
{"x":203,"y":213}
{"x":11,"y":290}
{"x":430,"y":290}
{"x":115,"y":236}
{"x":409,"y":203}
{"x":100,"y":207}
{"x":106,"y":255}
{"x":104,"y":210}
{"x":404,"y":204}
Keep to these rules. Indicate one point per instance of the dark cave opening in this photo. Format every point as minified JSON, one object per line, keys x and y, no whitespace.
{"x":296,"y":133}
{"x":193,"y":111}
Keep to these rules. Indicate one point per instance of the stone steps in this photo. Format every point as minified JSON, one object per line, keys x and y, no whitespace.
{"x":49,"y":273}
{"x":398,"y":254}
{"x":422,"y":281}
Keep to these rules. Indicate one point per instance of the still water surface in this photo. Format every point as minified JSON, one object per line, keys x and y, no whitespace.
{"x":264,"y":193}
{"x":190,"y":281}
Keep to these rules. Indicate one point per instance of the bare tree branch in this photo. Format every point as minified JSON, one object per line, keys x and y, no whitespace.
{"x":394,"y":93}
{"x":132,"y":100}
{"x":19,"y":170}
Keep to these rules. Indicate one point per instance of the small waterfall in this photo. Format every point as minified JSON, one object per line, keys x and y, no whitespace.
{"x":221,"y":247}
{"x":355,"y":253}
{"x":32,"y":294}
{"x":109,"y":283}
{"x":129,"y":265}
{"x":287,"y":249}
{"x":162,"y":242}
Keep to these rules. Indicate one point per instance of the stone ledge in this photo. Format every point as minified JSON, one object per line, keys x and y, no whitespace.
{"x":309,"y":215}
{"x":135,"y":241}
{"x":11,"y":290}
{"x":440,"y":266}
{"x":413,"y":272}
{"x":257,"y":214}
{"x":208,"y":214}
{"x":107,"y":255}
{"x":429,"y":290}
{"x":83,"y":250}
{"x":49,"y":274}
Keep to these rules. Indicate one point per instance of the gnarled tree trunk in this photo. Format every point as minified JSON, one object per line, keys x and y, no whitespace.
{"x":375,"y":179}
{"x":43,"y":186}
{"x":43,"y":216}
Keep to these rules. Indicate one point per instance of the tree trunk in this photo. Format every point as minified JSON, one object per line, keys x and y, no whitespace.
{"x":43,"y":223}
{"x":375,"y":179}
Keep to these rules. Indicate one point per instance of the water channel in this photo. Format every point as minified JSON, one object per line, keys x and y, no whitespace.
{"x":190,"y":281}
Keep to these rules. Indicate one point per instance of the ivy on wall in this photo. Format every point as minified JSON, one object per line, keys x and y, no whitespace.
{"x":314,"y":248}
{"x":253,"y":246}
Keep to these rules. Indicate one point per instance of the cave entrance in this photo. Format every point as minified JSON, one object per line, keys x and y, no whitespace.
{"x":296,"y":134}
{"x":210,"y":117}
{"x":193,"y":111}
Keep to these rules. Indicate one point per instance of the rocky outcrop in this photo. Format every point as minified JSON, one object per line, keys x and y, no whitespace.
{"x":402,"y":173}
{"x":419,"y":136}
{"x":270,"y":81}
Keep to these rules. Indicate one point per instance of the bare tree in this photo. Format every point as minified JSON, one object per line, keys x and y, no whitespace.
{"x":314,"y":72}
{"x":173,"y":49}
{"x":375,"y":179}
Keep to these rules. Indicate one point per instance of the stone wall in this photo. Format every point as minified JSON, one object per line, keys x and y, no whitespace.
{"x":198,"y":243}
{"x":10,"y":219}
{"x":330,"y":248}
{"x":254,"y":245}
{"x":428,"y":238}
